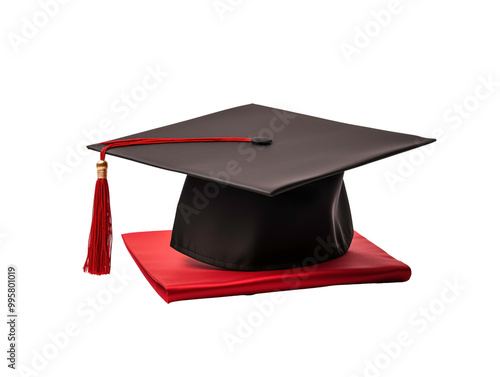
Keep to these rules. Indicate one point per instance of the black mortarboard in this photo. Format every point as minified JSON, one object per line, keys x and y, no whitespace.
{"x":248,"y":203}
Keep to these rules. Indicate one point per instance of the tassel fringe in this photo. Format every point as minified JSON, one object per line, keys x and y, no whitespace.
{"x":101,"y":235}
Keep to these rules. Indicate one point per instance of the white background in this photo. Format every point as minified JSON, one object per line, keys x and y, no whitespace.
{"x":441,"y":218}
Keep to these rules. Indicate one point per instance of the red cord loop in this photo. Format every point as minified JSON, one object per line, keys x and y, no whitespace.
{"x":142,"y":141}
{"x":101,"y":233}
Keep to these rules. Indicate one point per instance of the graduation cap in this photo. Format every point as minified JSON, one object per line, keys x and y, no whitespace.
{"x":264,"y":193}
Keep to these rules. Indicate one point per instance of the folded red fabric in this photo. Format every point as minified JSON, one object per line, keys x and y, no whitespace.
{"x":176,"y":276}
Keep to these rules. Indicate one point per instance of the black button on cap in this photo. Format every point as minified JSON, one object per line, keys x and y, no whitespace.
{"x":261,"y":140}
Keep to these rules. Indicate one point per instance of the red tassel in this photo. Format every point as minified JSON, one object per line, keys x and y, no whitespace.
{"x":99,"y":251}
{"x":101,"y":235}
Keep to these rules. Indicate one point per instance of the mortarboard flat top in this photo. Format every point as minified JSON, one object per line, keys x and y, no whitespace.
{"x":304,"y":148}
